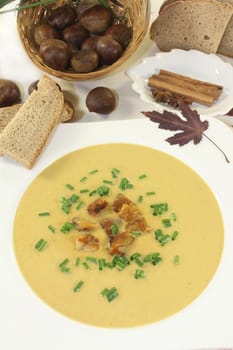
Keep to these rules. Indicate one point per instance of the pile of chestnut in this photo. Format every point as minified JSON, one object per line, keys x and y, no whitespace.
{"x":78,"y":41}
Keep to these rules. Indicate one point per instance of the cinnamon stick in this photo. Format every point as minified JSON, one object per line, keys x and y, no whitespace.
{"x":193,"y":84}
{"x":178,"y":89}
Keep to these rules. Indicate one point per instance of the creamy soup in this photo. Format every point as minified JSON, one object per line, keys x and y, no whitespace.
{"x":160,"y":251}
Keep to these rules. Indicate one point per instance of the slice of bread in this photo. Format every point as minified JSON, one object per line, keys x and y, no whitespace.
{"x":25,"y":136}
{"x":226,"y":45}
{"x":189,"y":24}
{"x":8,"y":113}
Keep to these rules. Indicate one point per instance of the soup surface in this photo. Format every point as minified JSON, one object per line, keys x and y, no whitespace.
{"x":110,"y":262}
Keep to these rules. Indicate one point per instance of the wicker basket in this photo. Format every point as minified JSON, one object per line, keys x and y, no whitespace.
{"x":138,"y":15}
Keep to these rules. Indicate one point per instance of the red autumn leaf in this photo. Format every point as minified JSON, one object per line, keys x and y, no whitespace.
{"x":191,"y":126}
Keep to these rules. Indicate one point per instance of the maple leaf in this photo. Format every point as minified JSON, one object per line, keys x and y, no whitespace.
{"x":191,"y":126}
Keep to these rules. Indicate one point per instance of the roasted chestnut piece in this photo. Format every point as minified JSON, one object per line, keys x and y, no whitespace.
{"x":96,"y":19}
{"x":121,"y":33}
{"x":85,"y":61}
{"x":90,"y":43}
{"x":9,"y":93}
{"x":55,"y":53}
{"x":101,"y":100}
{"x":75,"y":34}
{"x":62,"y":16}
{"x":108,"y":49}
{"x":43,"y":32}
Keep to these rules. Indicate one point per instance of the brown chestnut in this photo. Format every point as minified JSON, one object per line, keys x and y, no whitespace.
{"x":55,"y":53}
{"x":101,"y":100}
{"x":62,"y":16}
{"x":108,"y":49}
{"x":121,"y":33}
{"x":85,"y":61}
{"x":9,"y":93}
{"x":43,"y":32}
{"x":90,"y":43}
{"x":97,"y":19}
{"x":75,"y":34}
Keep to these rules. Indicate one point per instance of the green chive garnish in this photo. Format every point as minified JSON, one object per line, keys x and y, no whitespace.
{"x":140,"y":198}
{"x":101,"y":264}
{"x":120,"y":263}
{"x":107,"y":182}
{"x":92,"y":193}
{"x":115,"y":172}
{"x":174,"y":218}
{"x":136,"y":233}
{"x":40,"y":245}
{"x":143,"y":176}
{"x":85,"y":190}
{"x":138,"y":261}
{"x":125,"y":184}
{"x":176,"y":259}
{"x":164,"y":240}
{"x":151,"y":193}
{"x":159,"y":209}
{"x":93,"y":171}
{"x":83,"y":179}
{"x":166,"y":222}
{"x":76,"y":261}
{"x":45,"y":213}
{"x":51,"y":228}
{"x":153,"y":258}
{"x":158,"y":234}
{"x":78,"y":286}
{"x":135,"y":255}
{"x":110,"y":294}
{"x":174,"y":235}
{"x":85,"y":265}
{"x":73,"y":198}
{"x":114,"y":229}
{"x":67,"y":227}
{"x":80,"y":205}
{"x":65,"y":205}
{"x":69,"y":186}
{"x":139,"y":274}
{"x":91,"y":259}
{"x":63,"y":266}
{"x":103,"y":190}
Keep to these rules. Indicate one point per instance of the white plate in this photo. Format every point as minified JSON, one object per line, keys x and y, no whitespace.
{"x":27,"y":323}
{"x":194,"y":64}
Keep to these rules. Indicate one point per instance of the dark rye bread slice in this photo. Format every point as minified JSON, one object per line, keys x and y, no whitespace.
{"x":25,"y":136}
{"x":191,"y":24}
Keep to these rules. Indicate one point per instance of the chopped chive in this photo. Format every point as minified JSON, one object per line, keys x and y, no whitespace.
{"x":110,"y":294}
{"x":166,"y":222}
{"x":80,"y":205}
{"x":140,"y":198}
{"x":92,"y":193}
{"x":85,"y":190}
{"x":93,"y":171}
{"x":109,"y":264}
{"x":138,"y":261}
{"x":73,"y":198}
{"x":119,"y":262}
{"x":69,"y":186}
{"x":40,"y":245}
{"x":83,"y":179}
{"x":85,"y":265}
{"x":136,"y":233}
{"x":151,"y":193}
{"x":78,"y":286}
{"x":51,"y":228}
{"x":114,"y":229}
{"x":65,"y":205}
{"x":125,"y":184}
{"x":139,"y":274}
{"x":174,"y":235}
{"x":159,"y":209}
{"x":66,"y":227}
{"x":91,"y":259}
{"x":76,"y":261}
{"x":153,"y":258}
{"x":107,"y":182}
{"x":143,"y":176}
{"x":164,"y":240}
{"x":115,"y":172}
{"x":176,"y":259}
{"x":174,"y":218}
{"x":103,"y":190}
{"x":135,"y":255}
{"x":101,"y":264}
{"x":158,"y":234}
{"x":45,"y":213}
{"x":63,"y":266}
